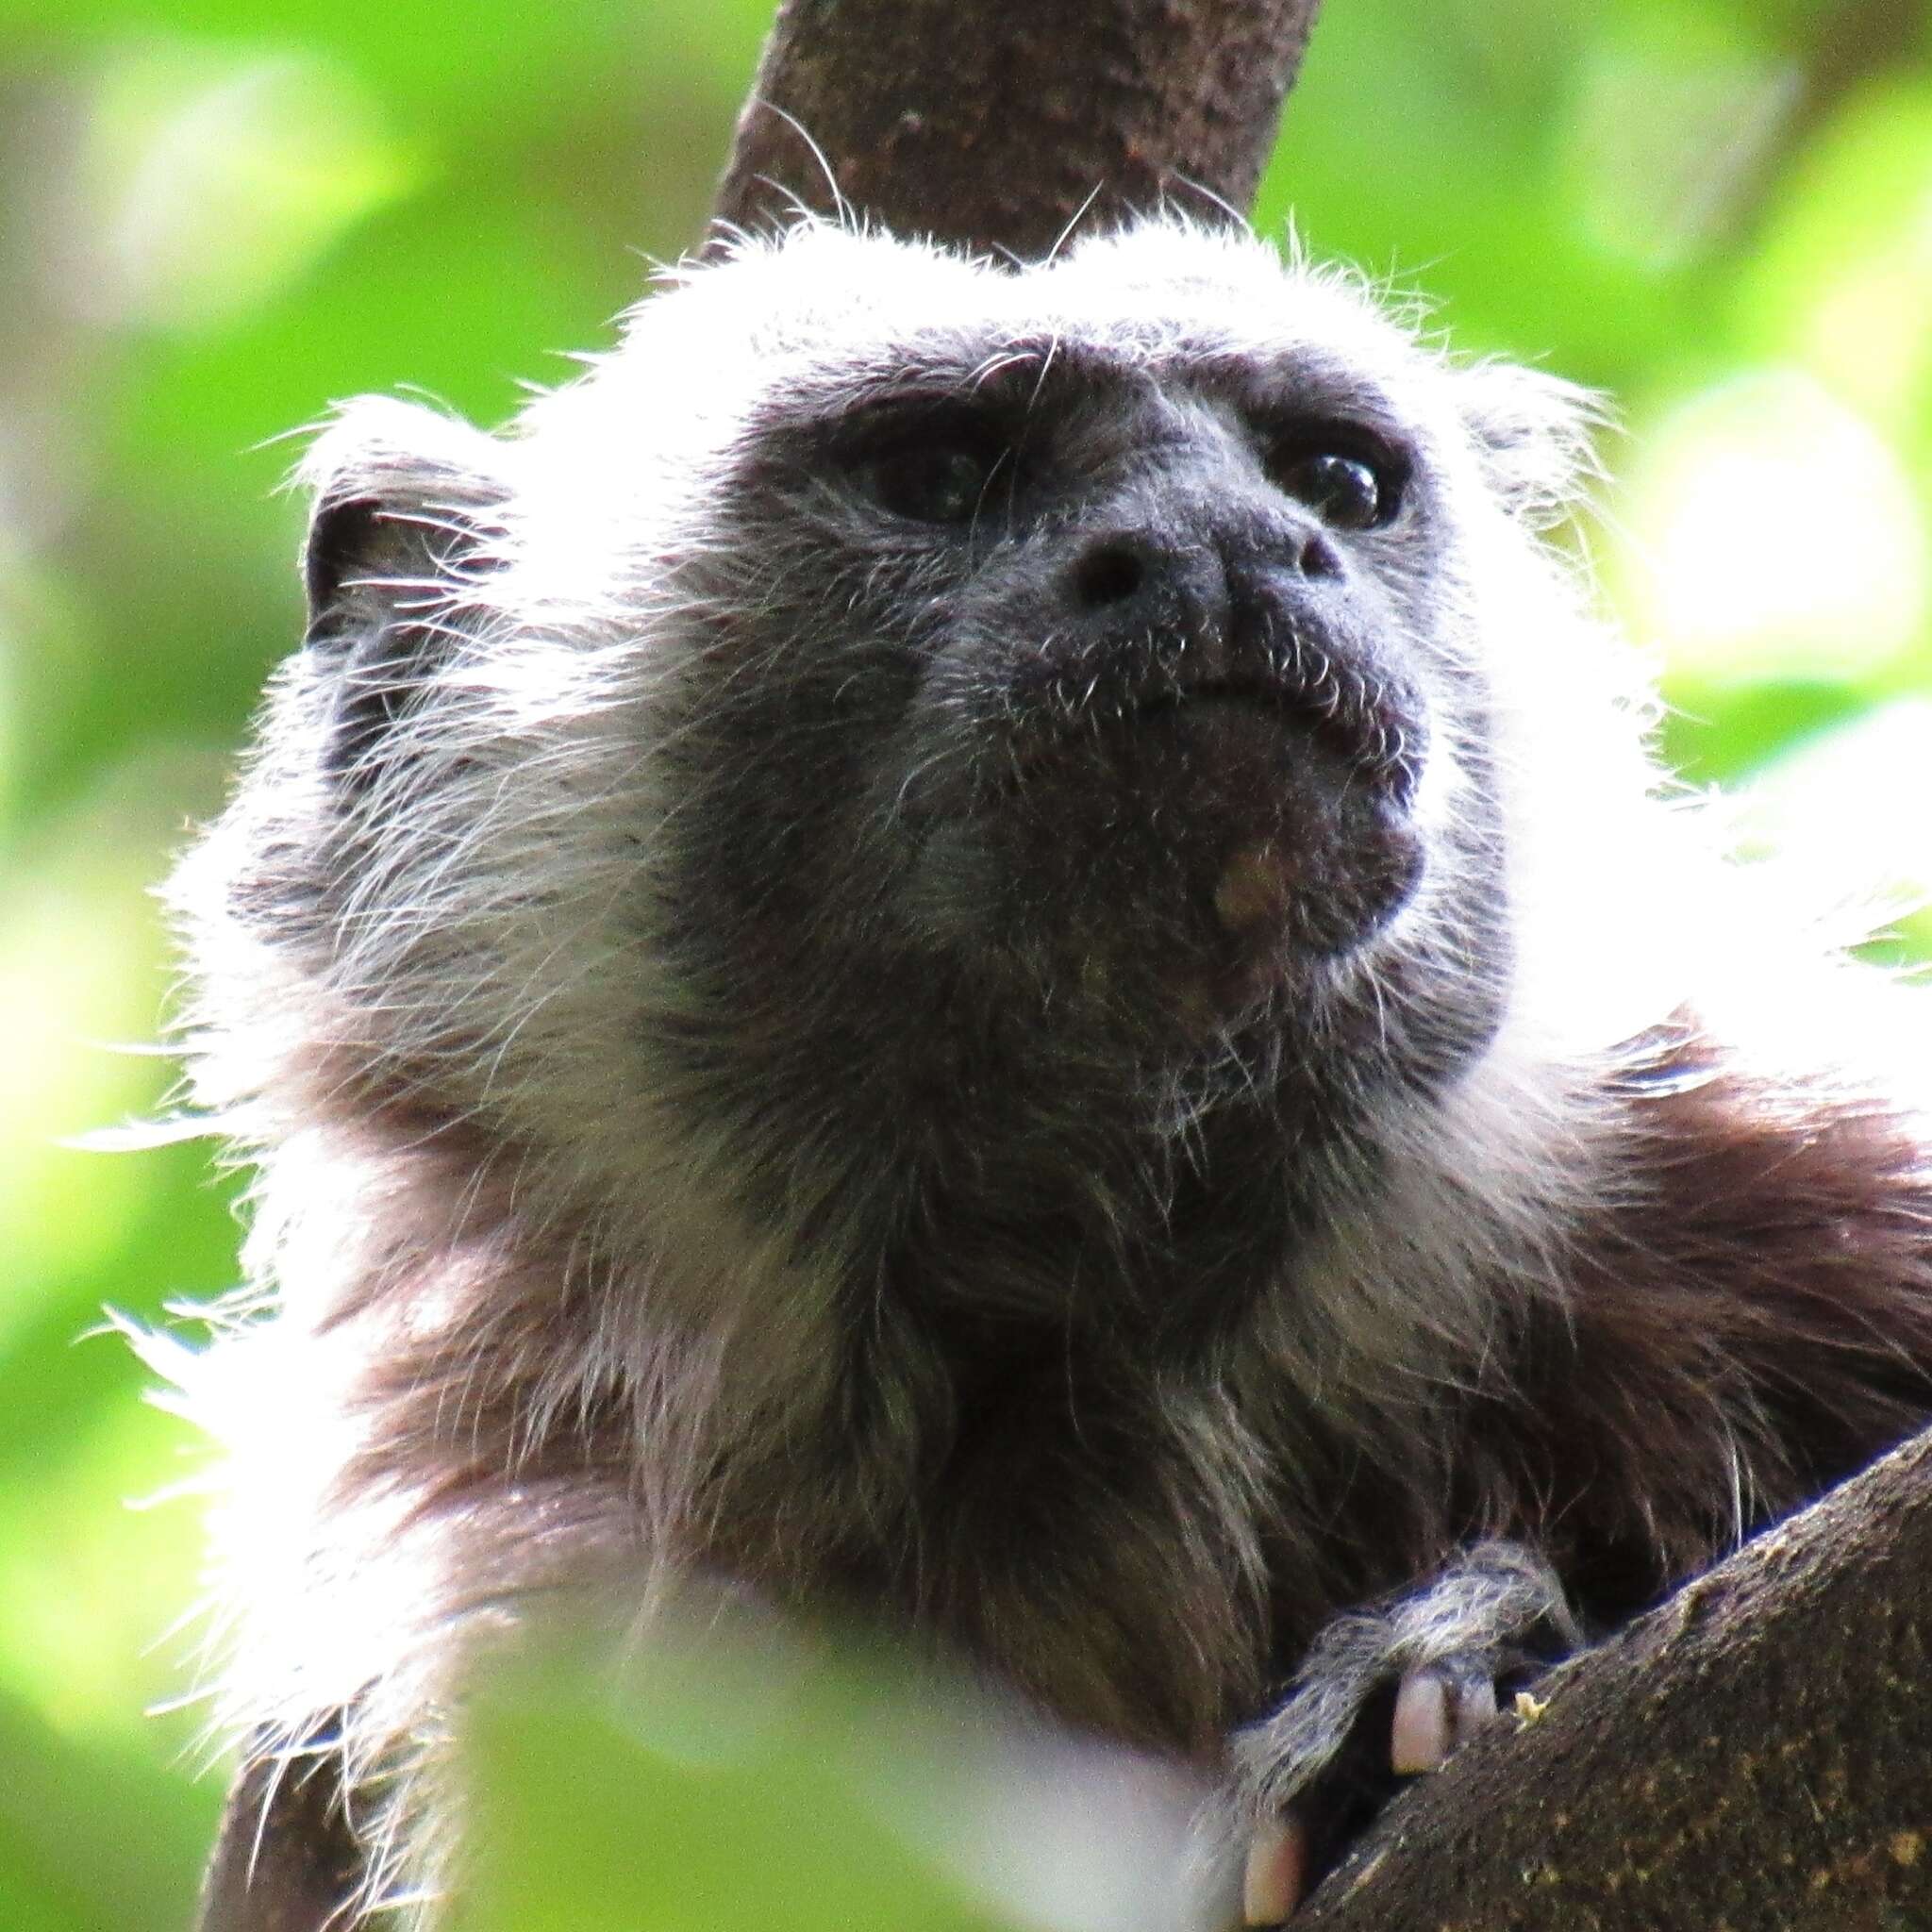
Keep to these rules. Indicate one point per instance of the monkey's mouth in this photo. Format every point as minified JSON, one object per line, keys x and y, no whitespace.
{"x":1293,"y":824}
{"x":1381,"y":749}
{"x":1219,"y":836}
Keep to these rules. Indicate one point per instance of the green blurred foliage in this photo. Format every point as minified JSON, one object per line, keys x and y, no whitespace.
{"x":217,"y":219}
{"x":596,"y":1814}
{"x":728,"y":1766}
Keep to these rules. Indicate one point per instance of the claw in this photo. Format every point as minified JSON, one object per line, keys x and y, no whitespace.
{"x":1277,"y":1872}
{"x":1476,"y":1706}
{"x":1436,"y":1712}
{"x":1419,"y":1738}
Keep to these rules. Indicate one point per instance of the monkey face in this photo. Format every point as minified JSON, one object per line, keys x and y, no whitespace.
{"x":1159,"y":728}
{"x":1113,"y":658}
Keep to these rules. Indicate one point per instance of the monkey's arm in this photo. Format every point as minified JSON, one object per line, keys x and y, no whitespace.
{"x":286,"y":1860}
{"x":1385,"y":1691}
{"x":1749,"y":1321}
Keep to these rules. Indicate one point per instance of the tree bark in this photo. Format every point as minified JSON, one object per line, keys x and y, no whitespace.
{"x":1751,"y":1758}
{"x":284,"y":1861}
{"x":1000,"y":123}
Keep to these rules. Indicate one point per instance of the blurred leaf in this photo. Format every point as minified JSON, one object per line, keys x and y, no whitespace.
{"x":1715,"y":735}
{"x":582,"y":1826}
{"x":220,"y":173}
{"x":732,"y":1764}
{"x":1673,"y":123}
{"x":1844,"y":282}
{"x":92,"y":1840}
{"x":91,"y":1585}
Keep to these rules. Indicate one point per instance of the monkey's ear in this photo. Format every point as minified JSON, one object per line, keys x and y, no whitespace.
{"x":1536,"y":435}
{"x":408,"y":516}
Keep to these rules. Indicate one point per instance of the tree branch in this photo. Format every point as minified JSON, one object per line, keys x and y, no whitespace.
{"x":1750,"y":1755}
{"x":999,"y":125}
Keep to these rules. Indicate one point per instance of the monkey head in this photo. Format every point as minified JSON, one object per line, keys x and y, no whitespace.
{"x":888,"y":679}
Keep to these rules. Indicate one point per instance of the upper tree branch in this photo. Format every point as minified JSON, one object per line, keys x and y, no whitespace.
{"x":996,"y":124}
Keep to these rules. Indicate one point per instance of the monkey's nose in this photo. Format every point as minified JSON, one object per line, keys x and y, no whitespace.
{"x":1187,"y":581}
{"x":1110,"y":569}
{"x":1144,"y":578}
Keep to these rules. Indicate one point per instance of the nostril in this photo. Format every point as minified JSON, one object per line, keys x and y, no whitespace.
{"x":1110,"y":572}
{"x":1320,"y":559}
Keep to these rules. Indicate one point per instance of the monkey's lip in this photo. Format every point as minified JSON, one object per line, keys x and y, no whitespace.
{"x":1273,"y":819}
{"x":1233,"y":696}
{"x":1381,"y":751}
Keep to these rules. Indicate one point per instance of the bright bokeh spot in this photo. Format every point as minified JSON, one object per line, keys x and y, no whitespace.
{"x":1866,"y":332}
{"x":1779,"y":536}
{"x":1853,"y":806}
{"x":220,"y":175}
{"x":1666,"y":133}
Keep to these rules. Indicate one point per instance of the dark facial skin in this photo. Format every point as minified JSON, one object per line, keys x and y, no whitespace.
{"x":1070,"y":744}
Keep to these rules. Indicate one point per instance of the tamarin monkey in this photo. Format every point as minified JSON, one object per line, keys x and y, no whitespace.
{"x":997,"y":948}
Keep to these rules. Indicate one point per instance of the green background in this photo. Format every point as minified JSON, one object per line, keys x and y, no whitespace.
{"x":215,"y":220}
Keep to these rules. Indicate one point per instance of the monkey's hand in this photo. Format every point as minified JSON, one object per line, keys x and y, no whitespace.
{"x":1383,"y":1693}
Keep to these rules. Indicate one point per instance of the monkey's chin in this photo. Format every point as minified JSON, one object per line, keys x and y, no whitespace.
{"x":1209,"y":856}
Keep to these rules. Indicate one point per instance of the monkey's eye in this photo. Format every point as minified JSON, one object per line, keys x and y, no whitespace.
{"x":1347,"y":493}
{"x":940,"y":478}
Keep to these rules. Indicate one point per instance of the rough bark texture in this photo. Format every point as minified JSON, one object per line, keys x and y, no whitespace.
{"x":1751,"y":1758}
{"x":998,"y":125}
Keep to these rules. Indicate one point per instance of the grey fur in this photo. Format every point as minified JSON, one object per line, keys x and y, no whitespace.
{"x":783,"y":1040}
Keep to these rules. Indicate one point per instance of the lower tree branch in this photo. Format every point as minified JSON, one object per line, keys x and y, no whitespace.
{"x":1752,"y":1755}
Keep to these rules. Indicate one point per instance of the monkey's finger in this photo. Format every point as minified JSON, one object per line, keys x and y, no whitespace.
{"x":1438,"y":1709}
{"x":1419,"y":1737}
{"x":1475,"y":1706}
{"x":1277,"y":1872}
